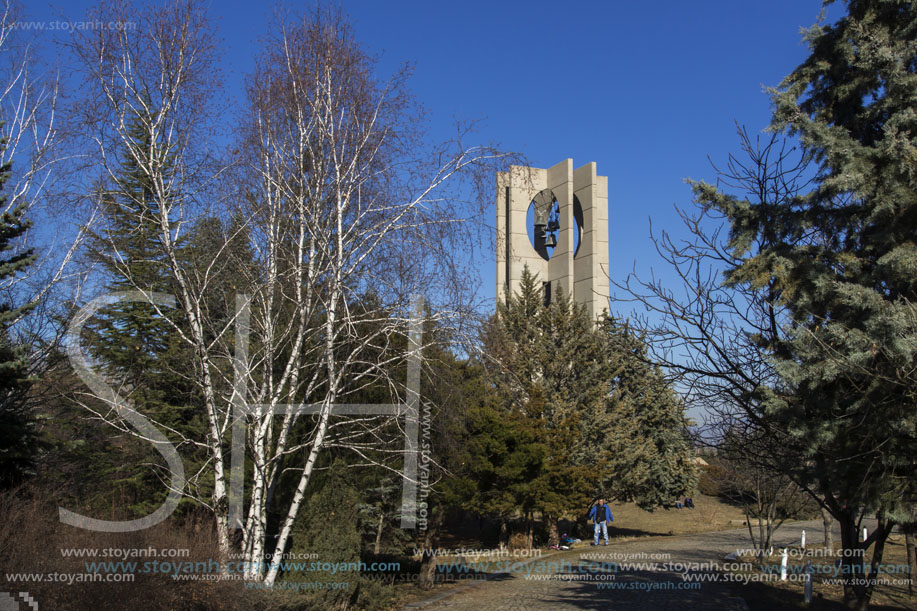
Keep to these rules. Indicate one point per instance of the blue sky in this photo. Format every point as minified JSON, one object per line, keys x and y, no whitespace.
{"x":646,"y":90}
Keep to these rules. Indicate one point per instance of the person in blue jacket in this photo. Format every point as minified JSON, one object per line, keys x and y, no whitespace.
{"x":600,"y":514}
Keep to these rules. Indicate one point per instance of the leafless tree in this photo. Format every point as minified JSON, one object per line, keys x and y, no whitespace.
{"x":28,"y":102}
{"x":348,"y":221}
{"x":746,"y":473}
{"x":344,"y":213}
{"x":716,"y":333}
{"x":34,"y":166}
{"x":32,"y":153}
{"x":148,"y":77}
{"x":713,"y":333}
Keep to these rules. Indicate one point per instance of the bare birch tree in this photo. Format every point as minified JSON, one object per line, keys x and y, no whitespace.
{"x":152,"y":76}
{"x":344,"y":211}
{"x":349,"y":224}
{"x":29,"y":101}
{"x":39,"y":279}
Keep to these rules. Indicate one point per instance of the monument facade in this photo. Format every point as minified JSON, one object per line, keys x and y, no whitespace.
{"x":554,"y":220}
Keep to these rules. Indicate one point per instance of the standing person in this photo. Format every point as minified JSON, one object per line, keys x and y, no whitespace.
{"x":600,"y":514}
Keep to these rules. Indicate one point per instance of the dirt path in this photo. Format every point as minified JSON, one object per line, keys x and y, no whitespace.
{"x":577,"y":580}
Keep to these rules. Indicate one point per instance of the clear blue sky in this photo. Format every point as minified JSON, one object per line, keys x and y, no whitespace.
{"x":646,"y":90}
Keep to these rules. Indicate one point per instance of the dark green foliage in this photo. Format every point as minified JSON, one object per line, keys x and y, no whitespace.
{"x":18,"y":441}
{"x":129,"y":336}
{"x":842,"y":260}
{"x":136,"y":346}
{"x":515,"y":465}
{"x":507,"y":460}
{"x":559,"y":350}
{"x":651,"y":455}
{"x":329,"y":526}
{"x":379,"y":515}
{"x":608,"y":422}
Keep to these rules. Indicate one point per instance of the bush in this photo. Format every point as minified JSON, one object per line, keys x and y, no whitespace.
{"x":518,"y":541}
{"x":329,"y":528}
{"x":710,"y":478}
{"x":32,"y":537}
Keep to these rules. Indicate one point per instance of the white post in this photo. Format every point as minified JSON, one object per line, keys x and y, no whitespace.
{"x":808,"y":590}
{"x":783,"y":561}
{"x":802,"y":543}
{"x":865,"y":534}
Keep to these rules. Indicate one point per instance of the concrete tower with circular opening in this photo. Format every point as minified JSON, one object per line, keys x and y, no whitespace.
{"x":568,"y":207}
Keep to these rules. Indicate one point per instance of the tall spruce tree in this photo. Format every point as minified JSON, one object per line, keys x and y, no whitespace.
{"x":132,"y":342}
{"x":17,"y":434}
{"x":613,"y":408}
{"x":558,"y":350}
{"x":843,"y":260}
{"x":129,"y":335}
{"x":651,"y":452}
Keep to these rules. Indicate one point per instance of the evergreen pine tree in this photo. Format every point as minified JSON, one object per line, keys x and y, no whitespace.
{"x":133,"y":344}
{"x":17,"y":434}
{"x":612,"y":409}
{"x":842,"y":260}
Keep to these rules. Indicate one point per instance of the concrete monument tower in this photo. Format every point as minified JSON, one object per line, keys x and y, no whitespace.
{"x":568,"y":248}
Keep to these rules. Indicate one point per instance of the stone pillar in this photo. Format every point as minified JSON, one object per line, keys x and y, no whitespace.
{"x":591,"y":261}
{"x":515,"y":190}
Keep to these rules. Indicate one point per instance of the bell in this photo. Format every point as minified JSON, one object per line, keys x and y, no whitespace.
{"x":550,"y":240}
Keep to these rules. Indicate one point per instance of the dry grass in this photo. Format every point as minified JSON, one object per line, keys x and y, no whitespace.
{"x":709,"y":515}
{"x":32,"y":537}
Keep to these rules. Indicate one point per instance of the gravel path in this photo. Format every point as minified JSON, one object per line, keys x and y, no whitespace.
{"x":572,"y":580}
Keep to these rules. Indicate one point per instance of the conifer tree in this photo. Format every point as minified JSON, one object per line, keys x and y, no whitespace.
{"x":17,"y":435}
{"x":329,"y":527}
{"x":842,"y":260}
{"x":127,"y":246}
{"x":133,"y":343}
{"x":604,"y":406}
{"x":651,"y":456}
